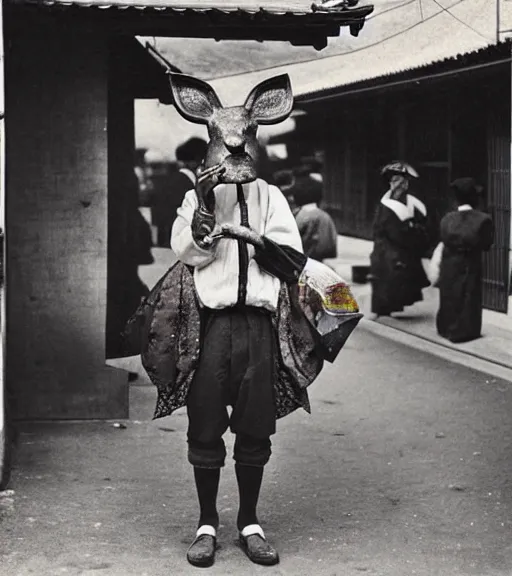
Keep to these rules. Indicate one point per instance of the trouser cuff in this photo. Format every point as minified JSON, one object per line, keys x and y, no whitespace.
{"x":206,"y":455}
{"x":250,"y":451}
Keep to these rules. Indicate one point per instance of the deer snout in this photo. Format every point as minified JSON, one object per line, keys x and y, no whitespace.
{"x":235,"y":144}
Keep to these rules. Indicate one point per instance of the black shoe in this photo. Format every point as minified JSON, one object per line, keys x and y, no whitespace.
{"x":258,"y":550}
{"x":202,"y":551}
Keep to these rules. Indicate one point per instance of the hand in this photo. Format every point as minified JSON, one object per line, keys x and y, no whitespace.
{"x":213,"y":236}
{"x":206,"y":181}
{"x":203,"y":221}
{"x":202,"y":226}
{"x":242,"y":233}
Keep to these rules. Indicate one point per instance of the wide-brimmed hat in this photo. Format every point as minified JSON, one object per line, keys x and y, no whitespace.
{"x":397,"y":167}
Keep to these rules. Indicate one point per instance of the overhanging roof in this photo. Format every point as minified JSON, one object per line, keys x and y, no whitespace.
{"x":297,"y":21}
{"x":496,"y":55}
{"x":438,"y":38}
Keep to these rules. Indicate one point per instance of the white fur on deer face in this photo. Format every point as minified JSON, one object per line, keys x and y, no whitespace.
{"x":232,"y":131}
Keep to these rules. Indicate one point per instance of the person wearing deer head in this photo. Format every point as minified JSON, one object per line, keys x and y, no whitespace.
{"x":239,"y":235}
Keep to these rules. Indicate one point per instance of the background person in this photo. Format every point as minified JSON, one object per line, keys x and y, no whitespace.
{"x":285,"y":181}
{"x":170,"y":186}
{"x":317,"y":229}
{"x":189,"y":155}
{"x":400,"y":241}
{"x":465,"y":234}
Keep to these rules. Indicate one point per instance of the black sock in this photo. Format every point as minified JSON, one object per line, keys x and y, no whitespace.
{"x":207,"y":485}
{"x":249,"y":483}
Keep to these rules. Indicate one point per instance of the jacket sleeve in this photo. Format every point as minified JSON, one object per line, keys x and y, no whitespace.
{"x":487,"y":234}
{"x":281,"y":254}
{"x":182,"y":242}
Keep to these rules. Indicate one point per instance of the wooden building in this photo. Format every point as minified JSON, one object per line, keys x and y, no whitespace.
{"x":449,"y":119}
{"x":436,"y":93}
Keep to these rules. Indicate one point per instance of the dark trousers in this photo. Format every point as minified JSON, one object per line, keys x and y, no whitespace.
{"x":236,"y":368}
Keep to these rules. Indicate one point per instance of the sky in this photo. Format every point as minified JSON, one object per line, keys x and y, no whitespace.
{"x":208,"y":59}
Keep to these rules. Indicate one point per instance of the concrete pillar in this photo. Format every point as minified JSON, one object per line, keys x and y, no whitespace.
{"x":57,"y":179}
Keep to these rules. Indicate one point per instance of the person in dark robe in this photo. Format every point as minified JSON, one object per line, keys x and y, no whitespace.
{"x":317,"y":229}
{"x":171,"y":190}
{"x":400,"y":242}
{"x":189,"y":155}
{"x":465,"y":234}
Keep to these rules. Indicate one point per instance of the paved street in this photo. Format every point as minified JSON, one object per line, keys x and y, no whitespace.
{"x":403,"y":468}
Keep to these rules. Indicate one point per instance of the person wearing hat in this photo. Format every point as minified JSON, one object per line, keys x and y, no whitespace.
{"x":317,"y":229}
{"x":465,"y":233}
{"x":400,"y":241}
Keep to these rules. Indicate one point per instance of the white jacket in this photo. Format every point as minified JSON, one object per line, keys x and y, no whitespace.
{"x":217,"y":268}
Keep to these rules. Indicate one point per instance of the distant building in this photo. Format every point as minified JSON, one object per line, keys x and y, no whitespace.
{"x":448,"y":119}
{"x":435,"y":93}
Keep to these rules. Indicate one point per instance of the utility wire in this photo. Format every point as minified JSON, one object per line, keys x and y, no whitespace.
{"x":355,"y":51}
{"x":372,"y":17}
{"x":421,"y":10}
{"x":447,"y":10}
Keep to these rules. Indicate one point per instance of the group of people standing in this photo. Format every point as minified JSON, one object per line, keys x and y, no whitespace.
{"x":400,"y":233}
{"x":401,"y":242}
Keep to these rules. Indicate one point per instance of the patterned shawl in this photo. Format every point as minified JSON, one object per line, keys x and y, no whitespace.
{"x":166,"y":332}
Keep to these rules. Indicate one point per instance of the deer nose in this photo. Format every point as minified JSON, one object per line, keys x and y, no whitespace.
{"x":235,"y":144}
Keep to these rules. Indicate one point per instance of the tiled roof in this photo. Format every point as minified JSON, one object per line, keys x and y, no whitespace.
{"x":292,"y":20}
{"x":490,"y":56}
{"x":249,"y":6}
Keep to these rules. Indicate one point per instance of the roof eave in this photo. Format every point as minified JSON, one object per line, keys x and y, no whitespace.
{"x":493,"y":55}
{"x":300,"y":29}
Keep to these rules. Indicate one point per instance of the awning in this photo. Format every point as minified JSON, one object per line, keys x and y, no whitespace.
{"x":297,"y":21}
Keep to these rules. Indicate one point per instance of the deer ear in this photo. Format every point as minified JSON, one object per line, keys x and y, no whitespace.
{"x":194,"y":99}
{"x":271,"y":101}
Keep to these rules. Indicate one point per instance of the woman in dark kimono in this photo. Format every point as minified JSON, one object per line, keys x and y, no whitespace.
{"x":400,"y":241}
{"x":465,"y":233}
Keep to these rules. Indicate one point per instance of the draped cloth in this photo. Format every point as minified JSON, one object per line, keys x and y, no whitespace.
{"x":166,"y":332}
{"x":465,"y":235}
{"x":400,"y":241}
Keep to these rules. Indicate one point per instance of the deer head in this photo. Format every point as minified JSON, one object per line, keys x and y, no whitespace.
{"x":232,"y":130}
